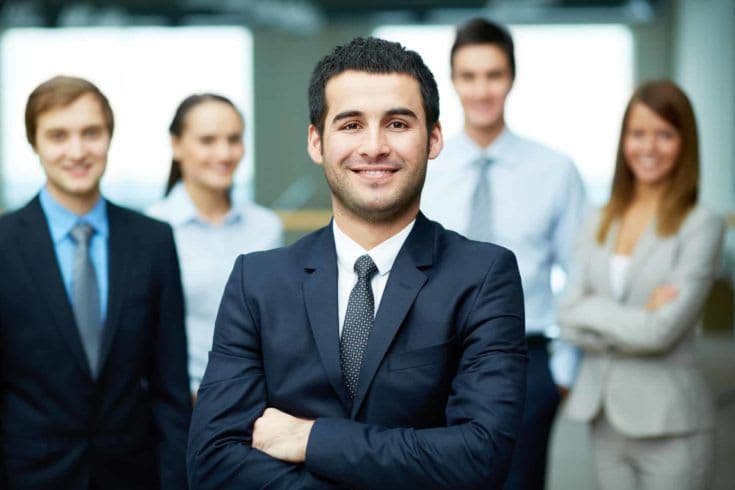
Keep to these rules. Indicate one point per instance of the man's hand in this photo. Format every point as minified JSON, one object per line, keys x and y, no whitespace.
{"x":661,"y":296}
{"x":282,"y":436}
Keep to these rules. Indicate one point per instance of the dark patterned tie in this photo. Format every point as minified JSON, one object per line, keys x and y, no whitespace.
{"x":358,"y":323}
{"x":480,"y":226}
{"x":86,"y":296}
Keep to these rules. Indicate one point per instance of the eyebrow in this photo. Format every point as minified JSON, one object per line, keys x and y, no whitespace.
{"x":402,"y":111}
{"x":56,"y":129}
{"x":397,"y":111}
{"x":346,"y":115}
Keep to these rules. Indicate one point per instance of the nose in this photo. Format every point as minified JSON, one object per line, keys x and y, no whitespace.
{"x":226,"y":150}
{"x":374,"y":145}
{"x":222,"y":150}
{"x":76,"y":148}
{"x":648,"y":143}
{"x":480,"y":87}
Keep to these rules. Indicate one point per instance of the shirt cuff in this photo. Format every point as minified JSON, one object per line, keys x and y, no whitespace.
{"x":564,"y":363}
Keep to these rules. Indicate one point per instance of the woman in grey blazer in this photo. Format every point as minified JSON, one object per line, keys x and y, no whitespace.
{"x":645,"y":264}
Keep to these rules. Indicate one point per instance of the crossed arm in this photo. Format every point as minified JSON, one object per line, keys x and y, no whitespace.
{"x":598,"y":323}
{"x":236,"y":441}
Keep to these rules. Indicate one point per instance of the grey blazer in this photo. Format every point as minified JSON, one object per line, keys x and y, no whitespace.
{"x":639,"y":366}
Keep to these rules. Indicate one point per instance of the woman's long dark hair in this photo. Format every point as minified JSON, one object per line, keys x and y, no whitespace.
{"x":177,"y":128}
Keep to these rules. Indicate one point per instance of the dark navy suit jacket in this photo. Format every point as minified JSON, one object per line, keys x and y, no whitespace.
{"x":441,"y":387}
{"x":59,"y":427}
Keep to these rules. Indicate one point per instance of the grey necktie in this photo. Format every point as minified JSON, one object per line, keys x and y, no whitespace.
{"x":358,"y":323}
{"x":480,"y":226}
{"x":86,"y":296}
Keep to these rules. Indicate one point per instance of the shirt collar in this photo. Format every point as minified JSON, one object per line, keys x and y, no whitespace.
{"x":497,"y":151}
{"x":61,"y":220}
{"x":182,"y":210}
{"x":383,"y":254}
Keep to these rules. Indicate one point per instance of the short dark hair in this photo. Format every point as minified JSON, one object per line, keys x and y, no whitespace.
{"x":61,"y":91}
{"x":483,"y":31}
{"x":176,"y":128}
{"x":371,"y":55}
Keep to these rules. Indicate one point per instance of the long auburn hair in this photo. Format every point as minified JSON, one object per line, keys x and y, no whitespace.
{"x":669,"y":102}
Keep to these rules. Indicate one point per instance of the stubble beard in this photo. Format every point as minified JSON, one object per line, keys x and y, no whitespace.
{"x":378,"y":213}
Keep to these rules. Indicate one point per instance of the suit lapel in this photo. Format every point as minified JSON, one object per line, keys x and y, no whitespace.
{"x":320,"y":298}
{"x":603,"y":260}
{"x":404,"y":283}
{"x":37,"y":250}
{"x":120,"y":249}
{"x":644,"y":247}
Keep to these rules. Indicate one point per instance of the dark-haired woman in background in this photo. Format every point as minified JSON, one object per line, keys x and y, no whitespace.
{"x":210,"y":231}
{"x":645,"y":265}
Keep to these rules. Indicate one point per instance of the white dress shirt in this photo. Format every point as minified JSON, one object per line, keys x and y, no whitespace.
{"x":348,"y":251}
{"x":207,"y":253}
{"x":538,"y":205}
{"x":619,"y":265}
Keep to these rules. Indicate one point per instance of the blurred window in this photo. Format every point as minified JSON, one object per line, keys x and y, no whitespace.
{"x":145,"y":72}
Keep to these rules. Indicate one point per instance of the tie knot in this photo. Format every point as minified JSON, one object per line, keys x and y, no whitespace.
{"x":483,"y":163}
{"x":81,"y":233}
{"x":365,"y":267}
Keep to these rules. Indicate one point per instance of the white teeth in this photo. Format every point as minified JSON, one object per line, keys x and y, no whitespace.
{"x":648,"y":162}
{"x":375,"y":172}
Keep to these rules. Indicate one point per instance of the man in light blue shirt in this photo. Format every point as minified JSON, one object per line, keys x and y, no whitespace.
{"x":492,"y":185}
{"x":61,"y":221}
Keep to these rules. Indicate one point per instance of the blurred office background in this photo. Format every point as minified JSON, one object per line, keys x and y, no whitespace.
{"x":578,"y":61}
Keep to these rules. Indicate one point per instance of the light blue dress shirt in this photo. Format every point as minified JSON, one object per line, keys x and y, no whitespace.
{"x":207,"y":253}
{"x":537,"y":206}
{"x":60,"y":223}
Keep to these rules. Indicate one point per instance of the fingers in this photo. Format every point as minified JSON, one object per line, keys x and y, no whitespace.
{"x":662,"y":295}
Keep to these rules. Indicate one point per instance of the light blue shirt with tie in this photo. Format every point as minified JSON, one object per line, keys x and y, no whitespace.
{"x":537,"y":206}
{"x":60,"y":222}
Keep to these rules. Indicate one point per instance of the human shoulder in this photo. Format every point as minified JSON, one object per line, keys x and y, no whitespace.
{"x":10,"y":218}
{"x":288,"y":257}
{"x":593,"y":218}
{"x":264,"y":217}
{"x":160,"y":209}
{"x":539,"y":159}
{"x":460,"y":252}
{"x":457,"y":149}
{"x":702,"y":219}
{"x":539,"y":151}
{"x":146,"y":226}
{"x":10,"y":221}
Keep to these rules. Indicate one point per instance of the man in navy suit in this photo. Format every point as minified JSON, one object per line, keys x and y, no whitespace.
{"x":93,"y":383}
{"x":381,"y":351}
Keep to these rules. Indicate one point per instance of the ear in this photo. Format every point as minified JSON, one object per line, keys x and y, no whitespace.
{"x":436,"y":141}
{"x":314,"y":145}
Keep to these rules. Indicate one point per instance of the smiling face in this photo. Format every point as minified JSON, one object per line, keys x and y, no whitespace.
{"x":72,"y":144}
{"x":374,"y":146}
{"x":651,"y":146}
{"x":482,"y":77}
{"x":210,"y":146}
